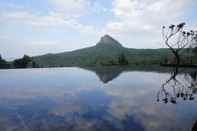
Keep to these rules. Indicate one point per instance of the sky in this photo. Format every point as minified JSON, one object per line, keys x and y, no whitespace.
{"x":36,"y":27}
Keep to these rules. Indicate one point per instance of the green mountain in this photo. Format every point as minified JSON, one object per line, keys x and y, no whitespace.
{"x":107,"y":51}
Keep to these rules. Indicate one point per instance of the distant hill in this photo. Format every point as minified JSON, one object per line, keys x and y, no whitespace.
{"x":106,"y":52}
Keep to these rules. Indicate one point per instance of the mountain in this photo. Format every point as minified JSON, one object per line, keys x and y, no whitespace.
{"x":107,"y":51}
{"x":108,"y":41}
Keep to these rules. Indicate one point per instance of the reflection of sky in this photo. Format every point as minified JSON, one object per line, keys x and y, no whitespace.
{"x":75,"y":99}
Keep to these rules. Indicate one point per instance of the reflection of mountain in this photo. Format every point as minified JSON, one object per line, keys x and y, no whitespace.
{"x":194,"y":128}
{"x":178,"y":86}
{"x":106,"y":74}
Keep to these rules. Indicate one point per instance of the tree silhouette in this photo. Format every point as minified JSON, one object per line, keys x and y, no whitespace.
{"x":194,"y":128}
{"x":177,"y":39}
{"x":23,"y":62}
{"x":3,"y":63}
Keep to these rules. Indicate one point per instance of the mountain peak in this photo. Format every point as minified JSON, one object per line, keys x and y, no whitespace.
{"x":107,"y":37}
{"x":108,"y":40}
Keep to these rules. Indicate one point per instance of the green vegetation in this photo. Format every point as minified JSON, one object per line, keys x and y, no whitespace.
{"x":109,"y":52}
{"x":3,"y":63}
{"x":122,"y":60}
{"x":25,"y":62}
{"x":194,"y":51}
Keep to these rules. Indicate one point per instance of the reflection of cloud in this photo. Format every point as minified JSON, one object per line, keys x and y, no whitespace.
{"x":54,"y":82}
{"x":71,"y":99}
{"x":138,"y":100}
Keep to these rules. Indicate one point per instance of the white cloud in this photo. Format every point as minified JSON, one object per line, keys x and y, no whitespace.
{"x":29,"y":18}
{"x":149,"y":13}
{"x":46,"y":21}
{"x":44,"y":43}
{"x":62,"y":12}
{"x":144,"y":17}
{"x":72,"y":8}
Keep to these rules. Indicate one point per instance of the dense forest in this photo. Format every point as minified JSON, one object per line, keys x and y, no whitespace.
{"x":3,"y":63}
{"x":25,"y":62}
{"x":91,"y":57}
{"x":94,"y":57}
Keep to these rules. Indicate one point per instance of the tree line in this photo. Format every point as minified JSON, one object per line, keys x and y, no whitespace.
{"x":24,"y":62}
{"x":3,"y":63}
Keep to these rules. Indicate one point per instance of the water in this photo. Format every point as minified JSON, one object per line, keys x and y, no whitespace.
{"x":109,"y":99}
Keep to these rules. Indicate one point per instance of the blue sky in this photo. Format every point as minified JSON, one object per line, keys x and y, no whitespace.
{"x":36,"y":27}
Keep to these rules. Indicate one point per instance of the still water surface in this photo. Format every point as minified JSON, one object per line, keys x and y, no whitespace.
{"x":75,"y":99}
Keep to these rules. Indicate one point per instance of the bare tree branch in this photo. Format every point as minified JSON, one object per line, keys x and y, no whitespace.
{"x":177,"y":39}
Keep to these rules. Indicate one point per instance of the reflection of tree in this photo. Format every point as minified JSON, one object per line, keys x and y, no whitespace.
{"x":194,"y":128}
{"x":184,"y":86}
